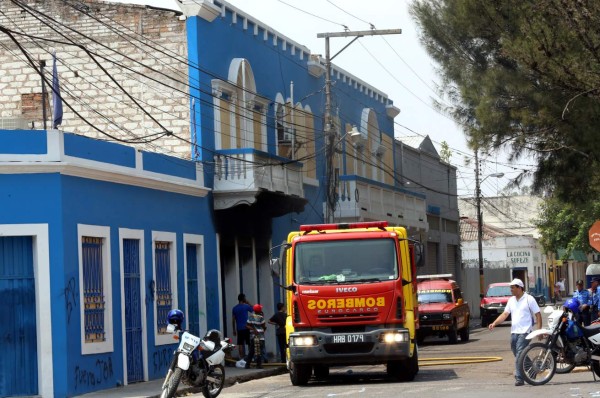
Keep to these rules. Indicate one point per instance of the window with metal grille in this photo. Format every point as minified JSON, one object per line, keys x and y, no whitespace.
{"x":93,"y":289}
{"x":164,"y":292}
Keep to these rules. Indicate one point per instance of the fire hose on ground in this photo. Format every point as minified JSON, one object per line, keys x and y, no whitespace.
{"x":422,"y":361}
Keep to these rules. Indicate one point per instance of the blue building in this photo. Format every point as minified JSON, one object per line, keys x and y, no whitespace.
{"x":200,"y":230}
{"x":98,"y":241}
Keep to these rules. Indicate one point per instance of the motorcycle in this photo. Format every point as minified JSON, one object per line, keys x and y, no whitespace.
{"x":539,"y":298}
{"x":563,"y":349}
{"x":196,"y":362}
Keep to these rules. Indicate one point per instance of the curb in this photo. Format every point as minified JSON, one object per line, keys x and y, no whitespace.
{"x":231,"y":380}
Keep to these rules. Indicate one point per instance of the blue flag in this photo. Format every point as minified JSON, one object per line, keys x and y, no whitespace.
{"x":57,"y":109}
{"x":196,"y":152}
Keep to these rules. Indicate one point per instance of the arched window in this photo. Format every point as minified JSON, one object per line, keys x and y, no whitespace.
{"x":371,"y":155}
{"x":239,"y":114}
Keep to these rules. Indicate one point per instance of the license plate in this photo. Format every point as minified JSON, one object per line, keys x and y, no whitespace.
{"x":440,"y":328}
{"x":348,"y":338}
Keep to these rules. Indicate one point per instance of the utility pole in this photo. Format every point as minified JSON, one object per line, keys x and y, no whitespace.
{"x":478,"y":183}
{"x":479,"y":224}
{"x":330,"y":133}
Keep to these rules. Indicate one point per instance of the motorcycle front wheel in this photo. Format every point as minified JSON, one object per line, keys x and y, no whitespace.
{"x":214,"y":381}
{"x":172,"y":383}
{"x":537,"y":364}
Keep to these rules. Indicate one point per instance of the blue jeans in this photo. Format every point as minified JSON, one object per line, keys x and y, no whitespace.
{"x":518,"y":342}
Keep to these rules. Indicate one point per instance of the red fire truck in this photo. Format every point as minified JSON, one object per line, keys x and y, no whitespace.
{"x":351,"y":298}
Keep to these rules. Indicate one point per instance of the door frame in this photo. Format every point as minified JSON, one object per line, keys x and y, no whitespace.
{"x":198,"y":241}
{"x":137,"y":234}
{"x":43,"y":316}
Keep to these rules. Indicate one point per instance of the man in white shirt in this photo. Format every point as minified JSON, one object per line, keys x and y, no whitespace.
{"x":522,"y":308}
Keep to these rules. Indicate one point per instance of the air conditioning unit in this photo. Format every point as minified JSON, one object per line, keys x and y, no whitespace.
{"x":14,"y":123}
{"x":284,"y":135}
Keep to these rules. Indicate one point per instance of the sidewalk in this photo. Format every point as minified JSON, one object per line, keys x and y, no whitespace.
{"x":151,"y":389}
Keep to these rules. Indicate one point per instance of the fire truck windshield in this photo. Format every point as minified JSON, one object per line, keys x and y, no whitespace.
{"x":345,"y":261}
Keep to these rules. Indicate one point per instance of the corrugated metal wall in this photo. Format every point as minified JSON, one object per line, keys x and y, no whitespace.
{"x":451,"y":261}
{"x":431,"y":260}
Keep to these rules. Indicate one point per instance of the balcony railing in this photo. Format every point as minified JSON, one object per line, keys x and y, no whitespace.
{"x":241,"y":173}
{"x":362,"y":199}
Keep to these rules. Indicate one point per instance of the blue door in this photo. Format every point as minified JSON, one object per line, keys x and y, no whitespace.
{"x":191,"y":251}
{"x":18,"y":332}
{"x":133,"y":310}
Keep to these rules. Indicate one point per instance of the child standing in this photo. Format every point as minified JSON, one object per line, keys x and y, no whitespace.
{"x":257,"y":326}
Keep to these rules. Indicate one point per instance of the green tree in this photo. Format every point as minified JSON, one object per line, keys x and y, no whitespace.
{"x":445,"y":152}
{"x":523,"y":76}
{"x":564,"y":225}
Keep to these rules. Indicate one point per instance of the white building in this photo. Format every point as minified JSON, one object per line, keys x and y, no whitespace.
{"x":510,"y":244}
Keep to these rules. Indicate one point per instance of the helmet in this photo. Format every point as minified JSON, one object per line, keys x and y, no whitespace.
{"x":257,"y":308}
{"x":215,"y":336}
{"x":175,"y":317}
{"x":573,"y":305}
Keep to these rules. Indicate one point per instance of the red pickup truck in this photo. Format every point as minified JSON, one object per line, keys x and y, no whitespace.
{"x":442,"y":310}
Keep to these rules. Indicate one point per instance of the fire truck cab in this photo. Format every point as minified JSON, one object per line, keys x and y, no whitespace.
{"x":351,"y":298}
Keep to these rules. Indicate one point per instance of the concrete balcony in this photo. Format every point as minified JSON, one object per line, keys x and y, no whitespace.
{"x":247,"y":176}
{"x":362,"y":199}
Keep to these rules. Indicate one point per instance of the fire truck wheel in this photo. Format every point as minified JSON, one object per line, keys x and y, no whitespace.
{"x":321,"y":372}
{"x":299,"y":374}
{"x":404,"y":370}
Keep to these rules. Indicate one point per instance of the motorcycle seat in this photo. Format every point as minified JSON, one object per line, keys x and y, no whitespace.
{"x":591,"y":330}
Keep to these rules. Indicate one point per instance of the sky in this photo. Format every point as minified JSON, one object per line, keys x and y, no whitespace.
{"x":397,"y":65}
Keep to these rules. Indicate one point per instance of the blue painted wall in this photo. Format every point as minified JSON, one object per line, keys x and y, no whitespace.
{"x":65,"y":201}
{"x":273,"y":69}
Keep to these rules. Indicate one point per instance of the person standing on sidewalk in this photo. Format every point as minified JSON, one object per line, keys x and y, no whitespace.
{"x":594,"y":299}
{"x":523,"y":309}
{"x":279,"y":321}
{"x":257,"y":326}
{"x":583,"y":296}
{"x":238,"y":321}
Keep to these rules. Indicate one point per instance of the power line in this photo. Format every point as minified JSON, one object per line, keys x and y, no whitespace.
{"x":211,"y":105}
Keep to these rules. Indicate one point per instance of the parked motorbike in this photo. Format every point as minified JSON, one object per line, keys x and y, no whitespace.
{"x":196,"y":362}
{"x":539,"y":298}
{"x":563,"y":349}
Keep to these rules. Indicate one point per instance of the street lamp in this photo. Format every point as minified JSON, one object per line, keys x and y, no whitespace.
{"x":480,"y":226}
{"x":356,"y":139}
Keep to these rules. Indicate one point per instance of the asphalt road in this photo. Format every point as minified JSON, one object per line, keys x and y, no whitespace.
{"x":492,"y":379}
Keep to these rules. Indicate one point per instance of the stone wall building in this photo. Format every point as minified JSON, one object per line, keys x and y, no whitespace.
{"x":143,"y":49}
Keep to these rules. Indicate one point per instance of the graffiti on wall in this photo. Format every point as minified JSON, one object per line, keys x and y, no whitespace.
{"x":101,"y":372}
{"x":70,"y":298}
{"x":162,"y":359}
